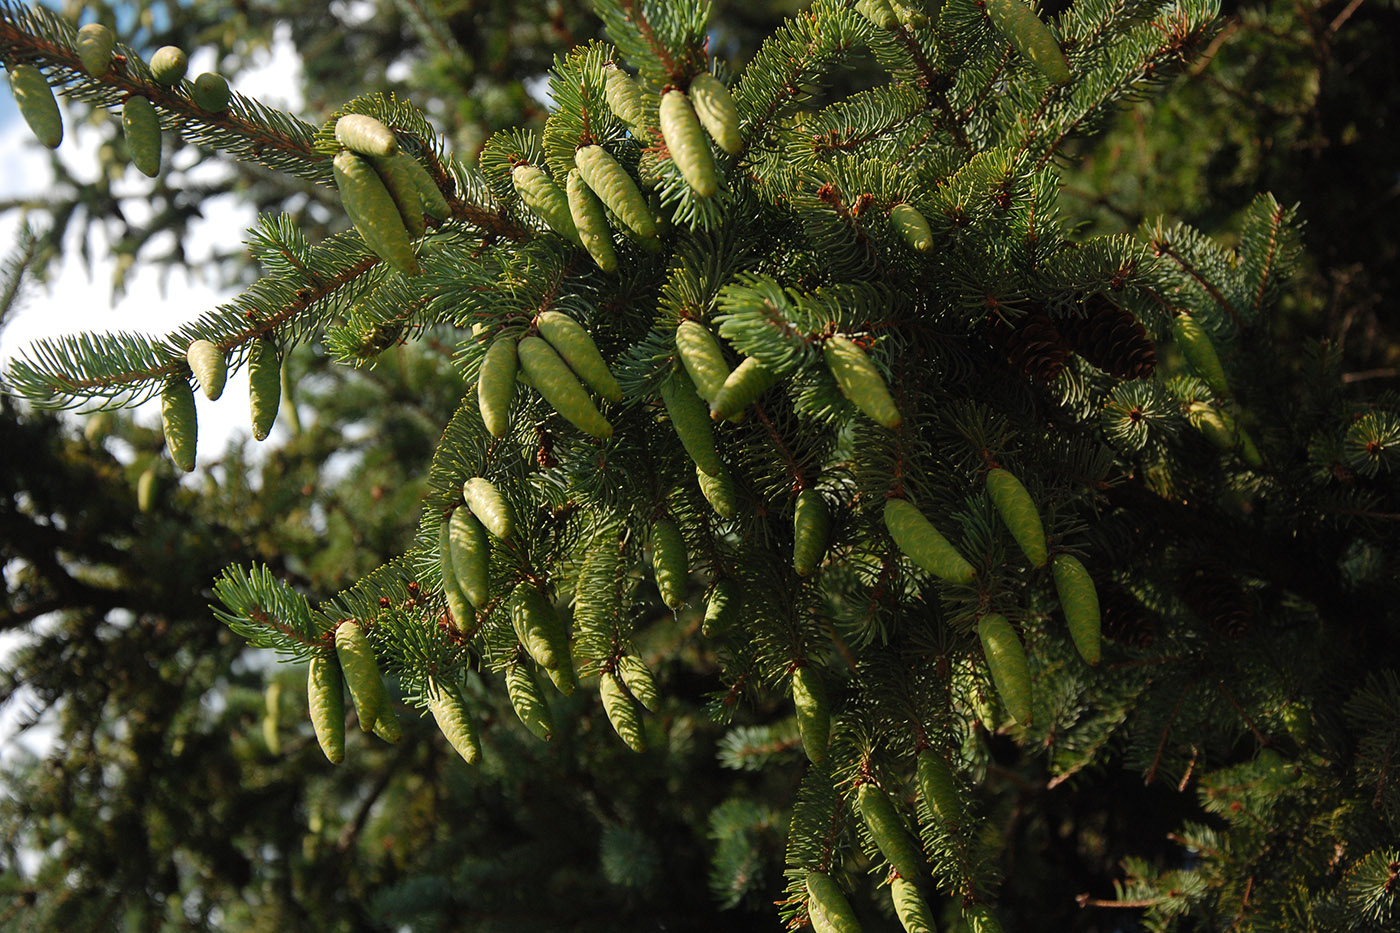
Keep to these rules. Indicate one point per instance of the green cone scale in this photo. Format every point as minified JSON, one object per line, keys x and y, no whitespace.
{"x":1006,"y":658}
{"x":177,"y":417}
{"x":365,"y":135}
{"x":1017,"y":510}
{"x":209,"y":366}
{"x":924,"y":545}
{"x":489,"y":506}
{"x":141,"y":127}
{"x":575,"y":347}
{"x":860,"y":381}
{"x":495,"y":385}
{"x":264,"y":385}
{"x":702,"y":357}
{"x":691,"y":420}
{"x":554,"y":380}
{"x":95,"y":43}
{"x":606,"y":178}
{"x":813,"y":712}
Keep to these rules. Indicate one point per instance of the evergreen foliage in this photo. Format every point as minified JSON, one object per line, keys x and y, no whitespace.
{"x":1236,"y":521}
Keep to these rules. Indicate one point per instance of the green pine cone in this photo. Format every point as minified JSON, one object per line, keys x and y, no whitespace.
{"x":622,"y":713}
{"x":624,"y":98}
{"x":703,"y":359}
{"x":719,"y":492}
{"x":1006,"y":658}
{"x":264,"y":385}
{"x":745,"y":384}
{"x":827,"y":906}
{"x":553,"y":379}
{"x":540,"y":630}
{"x":365,"y":135}
{"x":453,"y":719}
{"x":685,"y":140}
{"x":1017,"y":22}
{"x":373,"y":212}
{"x":209,"y":366}
{"x":591,"y":223}
{"x":95,"y":43}
{"x":325,"y":698}
{"x":1017,"y":510}
{"x":430,"y":197}
{"x":888,"y":831}
{"x":911,"y":908}
{"x":545,"y":198}
{"x":811,"y":527}
{"x":639,"y":681}
{"x":470,"y":556}
{"x":576,"y":348}
{"x":147,"y":485}
{"x":1199,"y":351}
{"x":691,"y":421}
{"x":721,"y":608}
{"x":361,"y":674}
{"x":813,"y":712}
{"x":459,"y":609}
{"x":879,"y":12}
{"x":912,"y":226}
{"x":489,"y":506}
{"x":860,"y":381}
{"x":36,"y":104}
{"x":169,"y":64}
{"x":606,"y":178}
{"x":528,"y":702}
{"x":921,"y":542}
{"x":939,"y":788}
{"x":1080,"y":601}
{"x":177,"y":417}
{"x":210,"y":92}
{"x":141,"y":127}
{"x":387,"y":726}
{"x":670,"y":562}
{"x":714,"y":106}
{"x":401,"y":181}
{"x":495,"y":385}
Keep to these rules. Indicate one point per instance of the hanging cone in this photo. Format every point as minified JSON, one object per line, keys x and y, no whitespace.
{"x":1109,"y":337}
{"x":1032,"y":345}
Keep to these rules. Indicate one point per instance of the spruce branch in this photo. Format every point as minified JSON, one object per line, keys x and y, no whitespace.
{"x":126,"y":369}
{"x":247,"y":130}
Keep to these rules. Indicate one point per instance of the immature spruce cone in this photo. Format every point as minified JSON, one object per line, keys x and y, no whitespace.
{"x":1109,"y":337}
{"x":1125,"y":620}
{"x":1217,"y":598}
{"x":1032,"y":345}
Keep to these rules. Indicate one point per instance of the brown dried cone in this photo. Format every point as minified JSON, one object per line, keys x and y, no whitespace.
{"x":1217,"y":598}
{"x":1108,"y":336}
{"x":1032,"y":345}
{"x":1125,"y":620}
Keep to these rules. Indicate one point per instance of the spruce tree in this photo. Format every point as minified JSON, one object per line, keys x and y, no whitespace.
{"x":959,"y":496}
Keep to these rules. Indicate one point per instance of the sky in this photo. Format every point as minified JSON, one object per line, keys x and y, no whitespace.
{"x":75,"y":301}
